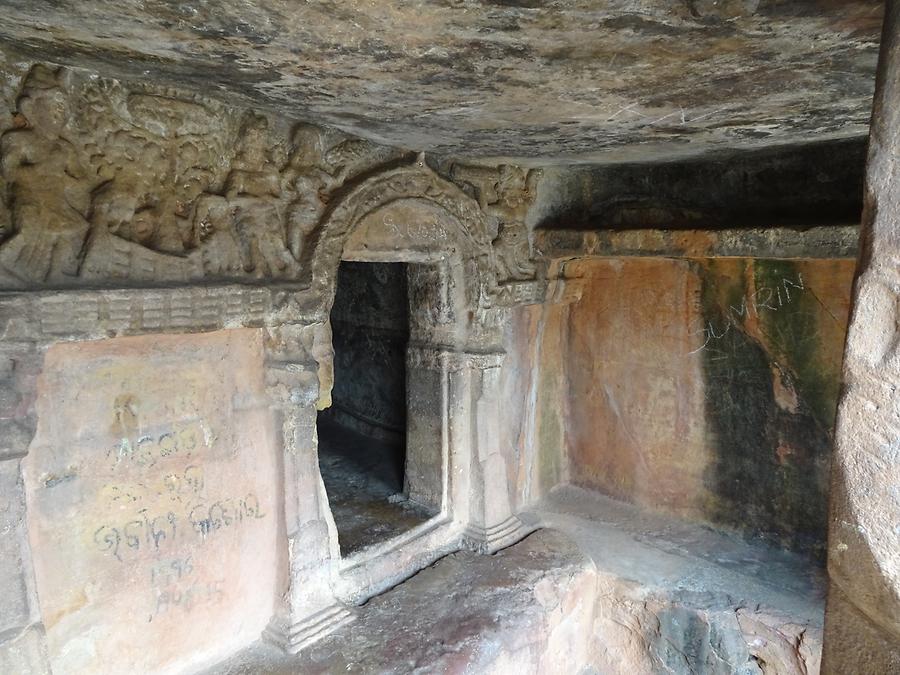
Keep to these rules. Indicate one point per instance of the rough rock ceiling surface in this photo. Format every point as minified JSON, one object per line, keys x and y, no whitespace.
{"x":575,"y":80}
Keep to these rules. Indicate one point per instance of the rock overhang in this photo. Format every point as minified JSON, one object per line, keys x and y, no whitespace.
{"x":526,"y":81}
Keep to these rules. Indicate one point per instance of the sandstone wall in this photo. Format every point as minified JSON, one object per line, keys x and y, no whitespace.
{"x":535,"y":405}
{"x":862,"y":624}
{"x":153,"y":525}
{"x":705,"y":388}
{"x":167,"y":268}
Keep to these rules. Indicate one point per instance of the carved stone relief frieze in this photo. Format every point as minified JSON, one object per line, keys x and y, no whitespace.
{"x":110,"y":186}
{"x":505,"y":193}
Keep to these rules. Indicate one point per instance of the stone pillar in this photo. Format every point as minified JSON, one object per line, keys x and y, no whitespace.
{"x":492,"y":523}
{"x":862,"y":624}
{"x":309,"y":609}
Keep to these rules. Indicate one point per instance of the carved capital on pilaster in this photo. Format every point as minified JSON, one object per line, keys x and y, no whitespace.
{"x":517,"y":293}
{"x":291,"y":384}
{"x":486,"y":362}
{"x":299,"y":365}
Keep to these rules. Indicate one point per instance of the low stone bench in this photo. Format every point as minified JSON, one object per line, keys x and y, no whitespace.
{"x":679,"y":597}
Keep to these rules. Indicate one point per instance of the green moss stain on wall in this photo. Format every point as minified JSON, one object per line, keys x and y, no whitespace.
{"x":793,"y":336}
{"x":770,"y":401}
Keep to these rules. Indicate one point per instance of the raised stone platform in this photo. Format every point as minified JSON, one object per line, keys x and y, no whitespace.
{"x":678,"y":597}
{"x":608,"y":589}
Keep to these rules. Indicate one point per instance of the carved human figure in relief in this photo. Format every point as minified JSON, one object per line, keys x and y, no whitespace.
{"x":49,"y":187}
{"x":318,"y":165}
{"x":308,"y":181}
{"x":505,"y":193}
{"x":244,"y":228}
{"x":515,"y":190}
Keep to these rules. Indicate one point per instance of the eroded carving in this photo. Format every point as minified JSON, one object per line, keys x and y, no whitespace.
{"x":505,"y":194}
{"x":49,"y":183}
{"x":473,"y":231}
{"x":114,"y":187}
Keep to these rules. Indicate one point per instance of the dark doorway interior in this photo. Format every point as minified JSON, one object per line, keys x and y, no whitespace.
{"x":362,"y":437}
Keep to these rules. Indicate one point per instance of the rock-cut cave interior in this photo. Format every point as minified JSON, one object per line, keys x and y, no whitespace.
{"x":450,"y":336}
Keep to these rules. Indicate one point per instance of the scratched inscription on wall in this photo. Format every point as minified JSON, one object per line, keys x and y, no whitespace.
{"x":151,"y":509}
{"x":777,"y":297}
{"x":168,"y":511}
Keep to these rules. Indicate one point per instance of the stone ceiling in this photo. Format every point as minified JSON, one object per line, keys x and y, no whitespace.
{"x":534,"y":80}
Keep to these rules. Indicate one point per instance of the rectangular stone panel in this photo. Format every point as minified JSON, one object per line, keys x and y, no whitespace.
{"x":152,"y":501}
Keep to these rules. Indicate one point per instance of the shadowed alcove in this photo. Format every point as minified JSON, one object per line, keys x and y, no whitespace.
{"x":362,"y":436}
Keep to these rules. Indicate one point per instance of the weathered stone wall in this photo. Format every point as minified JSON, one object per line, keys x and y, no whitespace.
{"x":706,"y":388}
{"x":701,"y":388}
{"x":153,"y":524}
{"x":136,"y":215}
{"x":862,"y":625}
{"x":535,"y":405}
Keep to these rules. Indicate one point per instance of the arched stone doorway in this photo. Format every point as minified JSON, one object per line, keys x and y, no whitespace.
{"x":412,"y":216}
{"x":454,"y":359}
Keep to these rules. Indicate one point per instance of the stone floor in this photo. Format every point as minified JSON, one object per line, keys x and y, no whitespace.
{"x":466,"y":613}
{"x":603,"y":588}
{"x":364,"y":481}
{"x":679,"y":597}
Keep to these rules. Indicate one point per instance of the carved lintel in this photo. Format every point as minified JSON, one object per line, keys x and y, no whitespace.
{"x":466,"y":229}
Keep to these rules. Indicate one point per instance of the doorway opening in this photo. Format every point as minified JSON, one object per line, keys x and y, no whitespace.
{"x":363,"y":435}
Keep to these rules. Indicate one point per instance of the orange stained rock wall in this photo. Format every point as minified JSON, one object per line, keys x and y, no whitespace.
{"x":704,"y":388}
{"x":533,"y":403}
{"x":635,"y":392}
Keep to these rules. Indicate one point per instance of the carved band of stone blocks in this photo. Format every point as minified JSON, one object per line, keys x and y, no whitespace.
{"x":431,"y":357}
{"x":104,"y":313}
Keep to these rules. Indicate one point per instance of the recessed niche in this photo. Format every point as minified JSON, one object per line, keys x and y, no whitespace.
{"x":363,"y":435}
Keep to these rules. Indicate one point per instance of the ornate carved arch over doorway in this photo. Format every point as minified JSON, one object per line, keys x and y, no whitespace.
{"x":410,"y":214}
